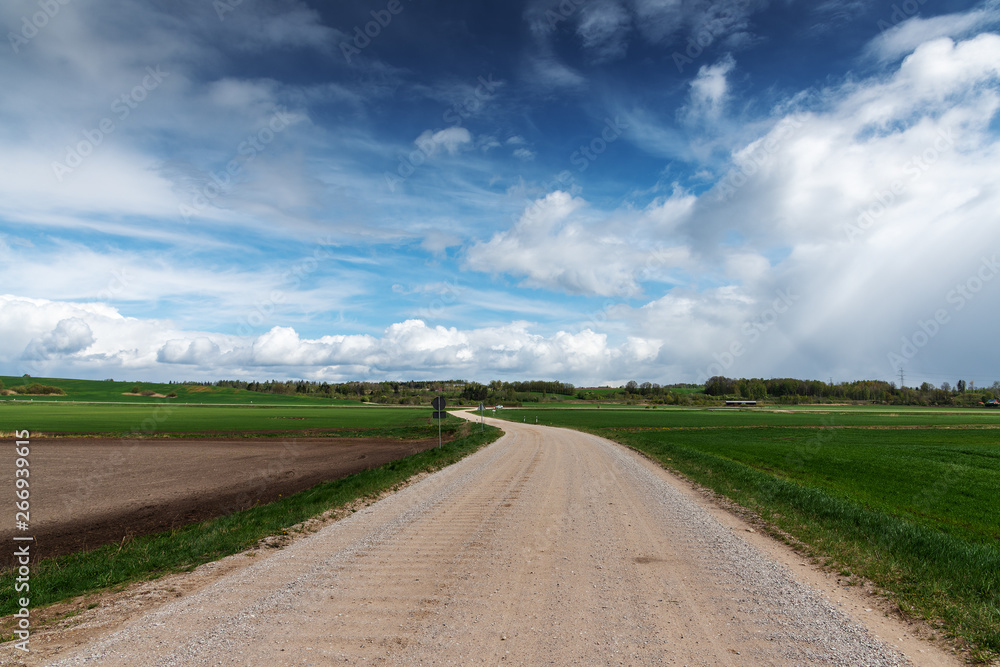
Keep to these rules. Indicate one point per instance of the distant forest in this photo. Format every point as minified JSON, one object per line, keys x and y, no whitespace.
{"x":790,"y":390}
{"x":773,"y":390}
{"x":496,"y":392}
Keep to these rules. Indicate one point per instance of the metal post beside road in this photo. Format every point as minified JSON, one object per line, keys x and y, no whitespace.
{"x":438,"y":404}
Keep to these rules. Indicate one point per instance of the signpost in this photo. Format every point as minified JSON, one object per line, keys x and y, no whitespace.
{"x":438,"y":404}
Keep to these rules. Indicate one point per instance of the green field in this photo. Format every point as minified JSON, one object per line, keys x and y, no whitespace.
{"x":103,"y":391}
{"x":203,"y":420}
{"x":906,"y":498}
{"x":589,"y":416}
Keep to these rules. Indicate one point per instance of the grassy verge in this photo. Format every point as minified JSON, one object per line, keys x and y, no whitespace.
{"x":949,"y":581}
{"x":58,"y":579}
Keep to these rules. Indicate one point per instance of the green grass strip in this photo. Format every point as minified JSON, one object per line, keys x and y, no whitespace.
{"x":947,"y":580}
{"x":149,"y":557}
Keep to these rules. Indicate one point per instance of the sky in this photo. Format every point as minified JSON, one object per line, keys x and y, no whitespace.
{"x":592,"y":191}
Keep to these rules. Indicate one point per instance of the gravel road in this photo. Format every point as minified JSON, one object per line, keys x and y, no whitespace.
{"x":547,"y":547}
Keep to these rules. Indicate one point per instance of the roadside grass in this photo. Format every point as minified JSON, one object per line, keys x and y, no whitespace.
{"x":897,"y":499}
{"x":931,"y":573}
{"x":152,"y":556}
{"x":199,"y":420}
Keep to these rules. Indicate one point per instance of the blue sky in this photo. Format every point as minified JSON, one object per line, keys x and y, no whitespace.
{"x":587,"y":190}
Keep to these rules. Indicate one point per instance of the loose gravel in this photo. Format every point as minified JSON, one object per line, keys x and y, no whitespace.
{"x":547,"y":547}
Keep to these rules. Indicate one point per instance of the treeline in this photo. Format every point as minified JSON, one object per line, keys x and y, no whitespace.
{"x":410,"y":392}
{"x":647,"y":392}
{"x":395,"y":392}
{"x":499,"y":392}
{"x":791,"y":390}
{"x":511,"y":394}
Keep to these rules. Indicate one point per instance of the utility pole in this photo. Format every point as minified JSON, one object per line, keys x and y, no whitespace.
{"x":900,"y":377}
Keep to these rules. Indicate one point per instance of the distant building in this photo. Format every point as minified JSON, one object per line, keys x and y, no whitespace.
{"x":741,"y":402}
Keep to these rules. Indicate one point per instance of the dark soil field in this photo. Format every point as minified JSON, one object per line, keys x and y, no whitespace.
{"x":86,"y":492}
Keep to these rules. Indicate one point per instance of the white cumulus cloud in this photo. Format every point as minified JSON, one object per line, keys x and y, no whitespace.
{"x":69,"y":336}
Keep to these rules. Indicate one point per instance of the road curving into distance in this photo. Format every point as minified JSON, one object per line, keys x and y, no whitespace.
{"x":547,"y":547}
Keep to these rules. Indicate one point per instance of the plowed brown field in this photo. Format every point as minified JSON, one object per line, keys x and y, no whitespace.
{"x":86,"y":492}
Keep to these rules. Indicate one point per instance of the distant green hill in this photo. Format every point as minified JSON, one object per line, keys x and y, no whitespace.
{"x":110,"y":391}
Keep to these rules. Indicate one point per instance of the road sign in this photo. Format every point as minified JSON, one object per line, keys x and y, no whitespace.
{"x":438,"y":403}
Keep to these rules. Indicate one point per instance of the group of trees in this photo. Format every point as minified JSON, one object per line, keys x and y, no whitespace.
{"x":35,"y":389}
{"x":499,"y":392}
{"x":651,"y":392}
{"x":402,"y":393}
{"x":778,"y":390}
{"x":790,"y":390}
{"x":413,"y":392}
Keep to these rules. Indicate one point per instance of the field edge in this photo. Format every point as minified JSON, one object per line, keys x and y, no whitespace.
{"x":75,"y":576}
{"x":942,"y":628}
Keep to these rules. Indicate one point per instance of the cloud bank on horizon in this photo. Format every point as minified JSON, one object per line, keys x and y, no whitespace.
{"x":585,"y":190}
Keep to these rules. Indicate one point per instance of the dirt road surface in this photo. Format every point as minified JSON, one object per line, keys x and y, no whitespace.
{"x":547,"y":547}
